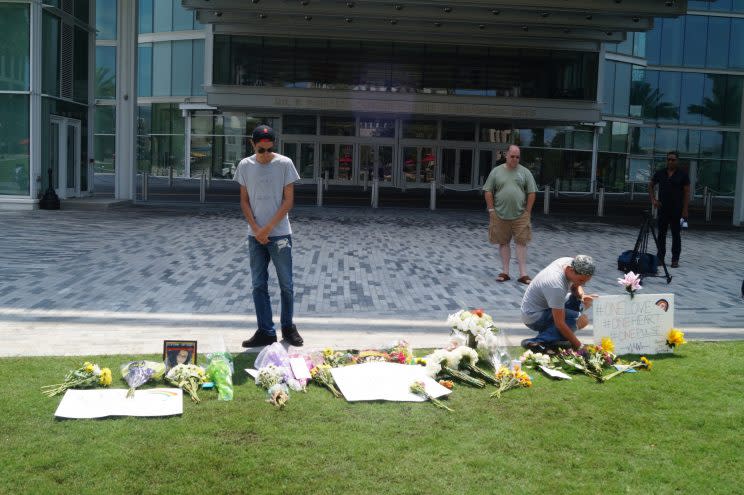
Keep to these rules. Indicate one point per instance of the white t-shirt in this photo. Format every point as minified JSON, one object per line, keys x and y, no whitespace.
{"x":547,"y":290}
{"x":265,"y":186}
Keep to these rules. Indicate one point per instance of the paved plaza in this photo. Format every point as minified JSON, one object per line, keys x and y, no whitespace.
{"x":120,"y":280}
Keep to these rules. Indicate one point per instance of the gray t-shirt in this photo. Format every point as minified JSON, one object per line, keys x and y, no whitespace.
{"x":547,"y":290}
{"x":265,"y":186}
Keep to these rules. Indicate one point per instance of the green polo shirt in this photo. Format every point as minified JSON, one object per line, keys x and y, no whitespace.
{"x":510,"y":189}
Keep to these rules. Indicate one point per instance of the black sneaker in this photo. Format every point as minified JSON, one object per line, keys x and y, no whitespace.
{"x":291,"y":335}
{"x":259,"y":339}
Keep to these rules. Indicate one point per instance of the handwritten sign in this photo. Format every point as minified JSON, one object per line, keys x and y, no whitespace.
{"x":636,"y":326}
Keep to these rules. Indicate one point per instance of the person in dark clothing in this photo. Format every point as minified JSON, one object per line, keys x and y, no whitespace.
{"x":674,"y":198}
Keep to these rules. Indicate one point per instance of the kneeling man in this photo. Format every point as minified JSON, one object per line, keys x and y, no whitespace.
{"x":553,"y":303}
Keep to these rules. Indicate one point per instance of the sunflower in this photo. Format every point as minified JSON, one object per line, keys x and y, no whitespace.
{"x":607,"y":344}
{"x":647,"y":363}
{"x":675,"y":337}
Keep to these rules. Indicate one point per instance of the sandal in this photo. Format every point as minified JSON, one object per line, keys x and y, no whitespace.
{"x":524,"y":280}
{"x":503,"y":277}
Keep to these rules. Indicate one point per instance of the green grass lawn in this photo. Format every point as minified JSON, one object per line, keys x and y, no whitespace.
{"x":676,"y":429}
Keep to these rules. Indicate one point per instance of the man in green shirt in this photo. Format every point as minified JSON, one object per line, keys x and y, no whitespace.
{"x":510,"y":195}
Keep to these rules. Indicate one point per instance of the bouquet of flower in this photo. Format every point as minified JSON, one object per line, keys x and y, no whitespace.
{"x":675,"y":337}
{"x":334,"y":359}
{"x":419,"y":388}
{"x":534,"y":359}
{"x":509,"y":379}
{"x":643,"y":363}
{"x":399,"y":351}
{"x":591,"y":360}
{"x":446,"y":362}
{"x":137,"y":373}
{"x":88,"y":375}
{"x":220,"y":371}
{"x":468,"y":360}
{"x":322,"y":375}
{"x":476,"y":329}
{"x":278,"y":395}
{"x":371,"y":356}
{"x":188,"y":377}
{"x":631,"y":282}
{"x":269,"y":375}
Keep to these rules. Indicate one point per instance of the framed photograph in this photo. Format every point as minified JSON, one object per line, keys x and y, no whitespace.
{"x":179,"y":352}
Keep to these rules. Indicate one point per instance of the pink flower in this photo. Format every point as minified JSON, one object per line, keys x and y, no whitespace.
{"x":631,"y":282}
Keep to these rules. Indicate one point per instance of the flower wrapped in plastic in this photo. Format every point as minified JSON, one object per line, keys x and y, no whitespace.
{"x":322,"y":374}
{"x":137,"y":373}
{"x":334,"y":359}
{"x":476,"y":329}
{"x":269,"y":375}
{"x":444,"y":362}
{"x":592,"y":360}
{"x":419,"y":388}
{"x":88,"y":375}
{"x":509,"y":379}
{"x":278,"y":395}
{"x":220,"y":371}
{"x":188,"y":377}
{"x":276,"y":355}
{"x":468,"y":360}
{"x":534,"y":359}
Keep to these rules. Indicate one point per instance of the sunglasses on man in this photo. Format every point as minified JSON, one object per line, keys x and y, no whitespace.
{"x":261,"y":151}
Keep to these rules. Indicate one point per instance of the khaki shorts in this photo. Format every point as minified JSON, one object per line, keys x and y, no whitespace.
{"x":502,"y":231}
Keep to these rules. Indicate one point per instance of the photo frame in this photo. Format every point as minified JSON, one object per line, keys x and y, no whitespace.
{"x":179,"y":352}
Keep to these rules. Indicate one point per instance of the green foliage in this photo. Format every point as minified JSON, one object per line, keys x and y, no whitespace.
{"x":675,"y":429}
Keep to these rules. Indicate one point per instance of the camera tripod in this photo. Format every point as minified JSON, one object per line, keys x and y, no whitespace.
{"x":641,"y":247}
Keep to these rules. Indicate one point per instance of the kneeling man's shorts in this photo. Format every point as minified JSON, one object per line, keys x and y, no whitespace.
{"x":501,"y":231}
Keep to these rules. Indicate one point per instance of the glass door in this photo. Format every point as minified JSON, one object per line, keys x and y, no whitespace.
{"x":488,"y":159}
{"x":337,"y":160}
{"x":419,"y":164}
{"x":303,"y":156}
{"x":457,"y":166}
{"x":376,"y":161}
{"x":72,"y":161}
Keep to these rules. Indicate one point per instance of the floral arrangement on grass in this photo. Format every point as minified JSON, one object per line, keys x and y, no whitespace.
{"x":591,"y":360}
{"x":88,"y":375}
{"x":447,"y":362}
{"x":322,"y":374}
{"x":468,"y":360}
{"x":278,"y":395}
{"x":675,"y":338}
{"x":508,"y":379}
{"x":419,"y":388}
{"x":188,"y":377}
{"x":624,"y":367}
{"x":476,"y":329}
{"x":334,"y":359}
{"x":220,"y":371}
{"x":631,"y":282}
{"x":534,"y":359}
{"x":371,"y":356}
{"x":137,"y":373}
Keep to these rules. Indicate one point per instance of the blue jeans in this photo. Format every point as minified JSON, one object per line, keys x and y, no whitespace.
{"x":545,"y":326}
{"x":279,"y":252}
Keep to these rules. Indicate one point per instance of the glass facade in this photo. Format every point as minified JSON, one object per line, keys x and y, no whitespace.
{"x":401,"y":68}
{"x":689,"y":98}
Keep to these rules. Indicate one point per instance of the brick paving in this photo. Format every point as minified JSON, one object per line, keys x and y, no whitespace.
{"x":120,"y":280}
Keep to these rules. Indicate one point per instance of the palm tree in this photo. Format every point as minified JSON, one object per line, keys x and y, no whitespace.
{"x":105,"y":83}
{"x":724,"y":106}
{"x":651,"y":102}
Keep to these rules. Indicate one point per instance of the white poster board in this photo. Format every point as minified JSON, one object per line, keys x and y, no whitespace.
{"x":100,"y":403}
{"x":636,"y":326}
{"x":384,"y":381}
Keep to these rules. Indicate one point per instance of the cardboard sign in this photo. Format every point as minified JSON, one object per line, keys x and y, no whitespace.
{"x":99,"y":403}
{"x":384,"y":381}
{"x":636,"y":326}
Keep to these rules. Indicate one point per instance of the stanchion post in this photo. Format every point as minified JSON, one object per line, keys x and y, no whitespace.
{"x":365,"y":182}
{"x":555,"y":191}
{"x":325,"y":181}
{"x":600,"y":203}
{"x":145,"y":186}
{"x":203,"y":187}
{"x":632,"y":190}
{"x":375,"y":193}
{"x":432,"y":195}
{"x":709,"y":207}
{"x":170,"y":177}
{"x":319,"y":194}
{"x":546,"y":200}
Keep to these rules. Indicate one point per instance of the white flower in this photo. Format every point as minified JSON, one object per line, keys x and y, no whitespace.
{"x":468,"y":354}
{"x":96,"y":370}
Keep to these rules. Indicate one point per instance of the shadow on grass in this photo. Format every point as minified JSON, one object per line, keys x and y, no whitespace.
{"x":241,"y":362}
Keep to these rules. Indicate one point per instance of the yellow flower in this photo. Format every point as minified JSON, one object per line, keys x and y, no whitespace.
{"x":327,"y":352}
{"x":105,"y":378}
{"x":675,"y":337}
{"x":608,"y":345}
{"x":647,"y":363}
{"x":88,"y":367}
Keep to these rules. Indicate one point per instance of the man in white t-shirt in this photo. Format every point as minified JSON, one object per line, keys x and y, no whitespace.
{"x":266,"y":195}
{"x":553,"y":303}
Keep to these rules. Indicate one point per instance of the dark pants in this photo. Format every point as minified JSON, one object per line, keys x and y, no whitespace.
{"x":669,"y":219}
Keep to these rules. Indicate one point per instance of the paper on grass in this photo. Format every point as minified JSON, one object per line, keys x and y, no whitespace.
{"x":384,"y":381}
{"x":100,"y":403}
{"x":252,"y":372}
{"x":552,"y":372}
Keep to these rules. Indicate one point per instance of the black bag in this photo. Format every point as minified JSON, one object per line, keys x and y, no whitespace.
{"x":639,"y":263}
